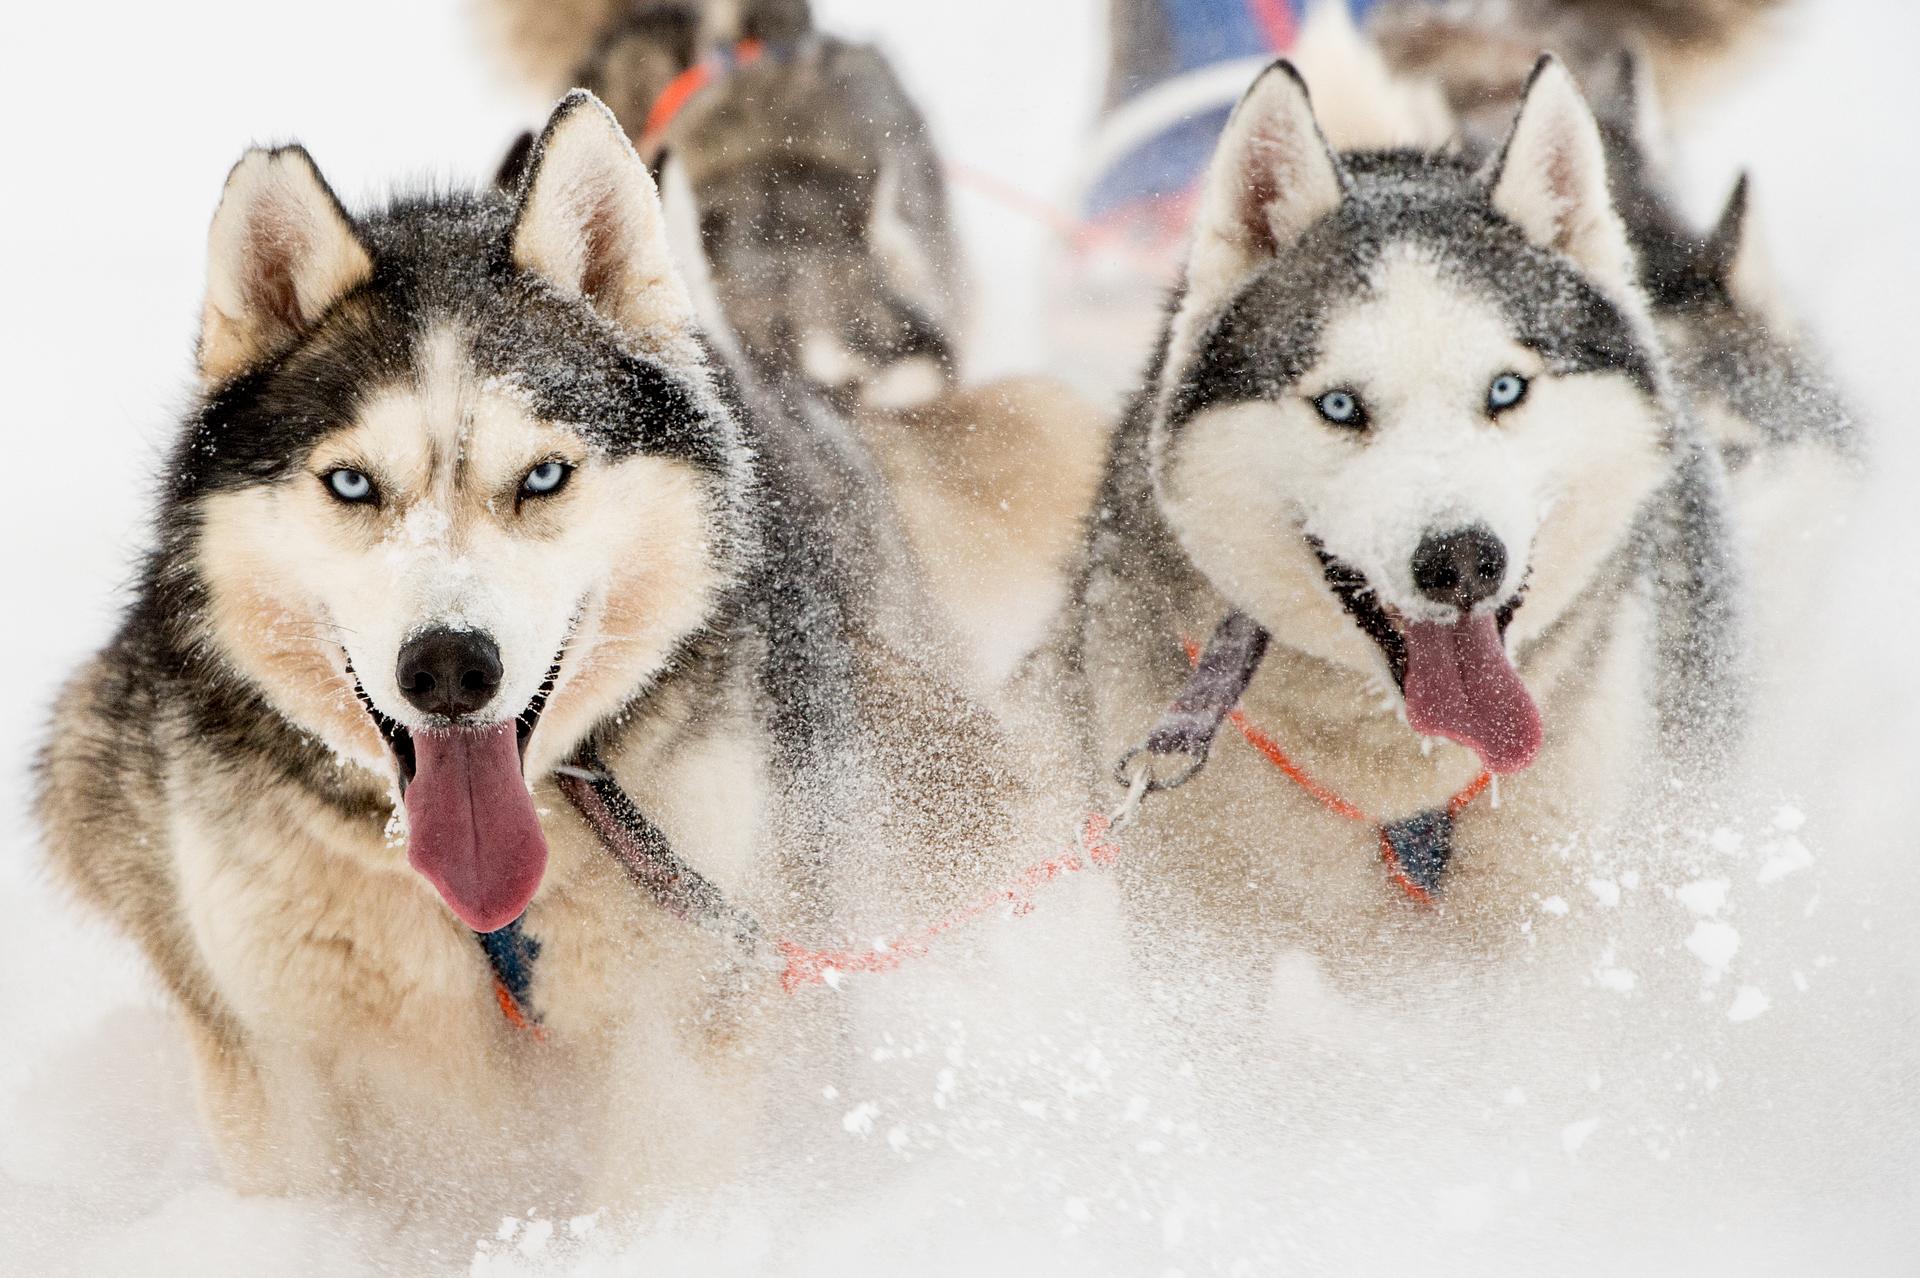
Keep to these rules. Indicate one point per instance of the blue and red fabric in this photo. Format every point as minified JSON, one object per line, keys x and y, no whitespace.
{"x":1151,"y":149}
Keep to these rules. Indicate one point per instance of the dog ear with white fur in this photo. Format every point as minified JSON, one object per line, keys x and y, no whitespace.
{"x":280,"y":252}
{"x":590,"y":224}
{"x":1272,"y":176}
{"x":1550,"y":180}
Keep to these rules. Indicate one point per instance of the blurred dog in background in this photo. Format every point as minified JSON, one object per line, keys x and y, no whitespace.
{"x":809,"y":182}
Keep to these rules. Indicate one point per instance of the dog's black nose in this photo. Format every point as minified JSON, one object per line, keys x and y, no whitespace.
{"x":449,"y":672}
{"x":1461,"y":567}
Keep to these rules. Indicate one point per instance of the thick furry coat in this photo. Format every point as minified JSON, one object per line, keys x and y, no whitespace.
{"x":1291,"y":448}
{"x":225,"y":779}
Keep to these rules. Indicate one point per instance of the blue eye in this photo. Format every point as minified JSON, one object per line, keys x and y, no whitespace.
{"x":545,"y":478}
{"x":1342,"y":408}
{"x":1507,"y":390}
{"x":350,"y":486}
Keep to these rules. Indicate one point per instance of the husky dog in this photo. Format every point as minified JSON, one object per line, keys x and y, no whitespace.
{"x":807,"y":184}
{"x":821,"y":216}
{"x":1745,"y":360}
{"x":820,"y":198}
{"x":1409,"y":430}
{"x":464,"y":507}
{"x":823,"y":213}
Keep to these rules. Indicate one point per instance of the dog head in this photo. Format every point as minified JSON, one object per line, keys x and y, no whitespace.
{"x":460,"y":484}
{"x":821,"y":215}
{"x":1401,"y":399}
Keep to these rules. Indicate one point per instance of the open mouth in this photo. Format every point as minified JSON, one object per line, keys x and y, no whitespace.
{"x":472,"y":830}
{"x":400,"y":740}
{"x":1454,"y":676}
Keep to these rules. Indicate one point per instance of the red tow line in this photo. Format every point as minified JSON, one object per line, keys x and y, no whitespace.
{"x":820,"y":967}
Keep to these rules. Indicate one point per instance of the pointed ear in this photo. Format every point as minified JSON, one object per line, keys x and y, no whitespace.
{"x":1627,"y":98}
{"x":590,"y":224}
{"x":908,"y":247}
{"x":513,"y":165}
{"x":1648,"y":115}
{"x":1551,"y":181}
{"x":1736,"y":255}
{"x":1272,"y":176}
{"x":280,"y":252}
{"x":1728,"y":240}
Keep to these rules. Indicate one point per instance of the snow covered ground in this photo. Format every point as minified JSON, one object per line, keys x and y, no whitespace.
{"x":1728,"y":1081}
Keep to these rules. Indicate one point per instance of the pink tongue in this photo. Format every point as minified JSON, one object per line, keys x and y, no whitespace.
{"x":1460,"y":685}
{"x":471,"y":828}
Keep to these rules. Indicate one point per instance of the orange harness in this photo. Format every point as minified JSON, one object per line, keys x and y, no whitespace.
{"x":514,"y":1014}
{"x":681,"y":89}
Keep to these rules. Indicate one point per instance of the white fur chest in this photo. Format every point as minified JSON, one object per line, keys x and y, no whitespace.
{"x":1247,"y":851}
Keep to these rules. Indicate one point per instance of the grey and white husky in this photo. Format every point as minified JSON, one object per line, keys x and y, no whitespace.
{"x":466,"y":508}
{"x":822,"y":207}
{"x":1411,"y":433}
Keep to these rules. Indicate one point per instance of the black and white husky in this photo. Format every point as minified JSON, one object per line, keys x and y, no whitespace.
{"x":465,"y":514}
{"x":1408,"y":469}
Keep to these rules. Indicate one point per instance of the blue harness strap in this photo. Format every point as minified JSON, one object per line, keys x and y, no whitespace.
{"x":1422,"y":847}
{"x":642,"y":850}
{"x":510,"y":953}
